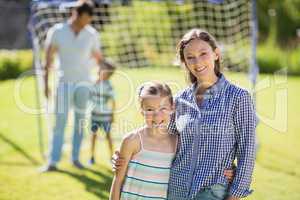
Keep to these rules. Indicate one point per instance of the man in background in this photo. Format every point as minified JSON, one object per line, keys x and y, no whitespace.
{"x":74,"y":42}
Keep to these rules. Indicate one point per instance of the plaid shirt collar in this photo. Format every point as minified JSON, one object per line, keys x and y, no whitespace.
{"x":214,"y":91}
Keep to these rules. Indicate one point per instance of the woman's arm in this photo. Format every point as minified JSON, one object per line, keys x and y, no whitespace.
{"x":127,"y":149}
{"x":245,"y":125}
{"x":172,"y":129}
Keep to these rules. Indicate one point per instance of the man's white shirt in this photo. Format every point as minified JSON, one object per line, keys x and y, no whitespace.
{"x":74,"y":51}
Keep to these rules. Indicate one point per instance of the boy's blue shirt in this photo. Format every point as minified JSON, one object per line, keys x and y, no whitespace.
{"x":102,"y":96}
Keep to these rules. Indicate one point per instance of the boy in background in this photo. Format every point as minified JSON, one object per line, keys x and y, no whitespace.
{"x":103,"y":99}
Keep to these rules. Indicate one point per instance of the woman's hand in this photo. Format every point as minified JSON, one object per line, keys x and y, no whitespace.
{"x":117,"y":161}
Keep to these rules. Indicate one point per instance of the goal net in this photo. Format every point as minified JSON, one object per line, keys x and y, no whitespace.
{"x":138,"y":33}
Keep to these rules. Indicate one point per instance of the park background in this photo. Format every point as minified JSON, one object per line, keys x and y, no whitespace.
{"x":277,"y":171}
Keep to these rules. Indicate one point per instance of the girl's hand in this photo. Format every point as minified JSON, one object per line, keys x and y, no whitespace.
{"x":117,"y":161}
{"x":229,"y":173}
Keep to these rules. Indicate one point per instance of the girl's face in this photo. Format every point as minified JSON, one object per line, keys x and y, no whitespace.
{"x":200,"y":58}
{"x":157,"y":111}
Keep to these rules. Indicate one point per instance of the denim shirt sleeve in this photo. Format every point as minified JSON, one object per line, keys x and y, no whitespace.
{"x":245,"y":125}
{"x":172,"y":124}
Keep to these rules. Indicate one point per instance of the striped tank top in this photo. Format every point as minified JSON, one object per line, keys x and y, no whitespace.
{"x":147,"y":175}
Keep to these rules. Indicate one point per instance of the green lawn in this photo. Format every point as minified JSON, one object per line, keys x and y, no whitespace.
{"x":277,"y":172}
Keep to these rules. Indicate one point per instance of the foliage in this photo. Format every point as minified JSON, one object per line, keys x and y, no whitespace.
{"x":14,"y":63}
{"x":272,"y":58}
{"x":279,"y":20}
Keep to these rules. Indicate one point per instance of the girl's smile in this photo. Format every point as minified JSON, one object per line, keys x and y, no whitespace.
{"x":156,"y":111}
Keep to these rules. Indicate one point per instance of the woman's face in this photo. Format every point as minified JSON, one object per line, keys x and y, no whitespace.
{"x":200,"y":59}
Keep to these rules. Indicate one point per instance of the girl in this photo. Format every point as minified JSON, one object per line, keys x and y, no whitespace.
{"x":149,"y":151}
{"x":216,"y":122}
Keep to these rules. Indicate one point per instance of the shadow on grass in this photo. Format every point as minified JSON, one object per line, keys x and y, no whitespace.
{"x":21,"y":151}
{"x":99,"y":187}
{"x":17,"y":163}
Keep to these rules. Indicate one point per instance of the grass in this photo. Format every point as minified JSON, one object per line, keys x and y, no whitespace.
{"x":277,"y":171}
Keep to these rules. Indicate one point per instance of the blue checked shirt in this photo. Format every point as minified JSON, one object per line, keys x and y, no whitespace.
{"x":212,"y":135}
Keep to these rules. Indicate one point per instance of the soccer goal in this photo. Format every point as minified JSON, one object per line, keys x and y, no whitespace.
{"x":144,"y":33}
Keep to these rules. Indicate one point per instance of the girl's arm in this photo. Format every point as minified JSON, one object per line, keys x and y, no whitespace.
{"x":127,"y":149}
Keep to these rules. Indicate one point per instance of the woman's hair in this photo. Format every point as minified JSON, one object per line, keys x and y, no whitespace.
{"x":85,"y":6}
{"x":155,"y":88}
{"x":201,"y":35}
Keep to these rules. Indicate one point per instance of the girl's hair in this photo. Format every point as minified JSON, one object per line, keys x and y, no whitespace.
{"x":200,"y":35}
{"x":155,"y":88}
